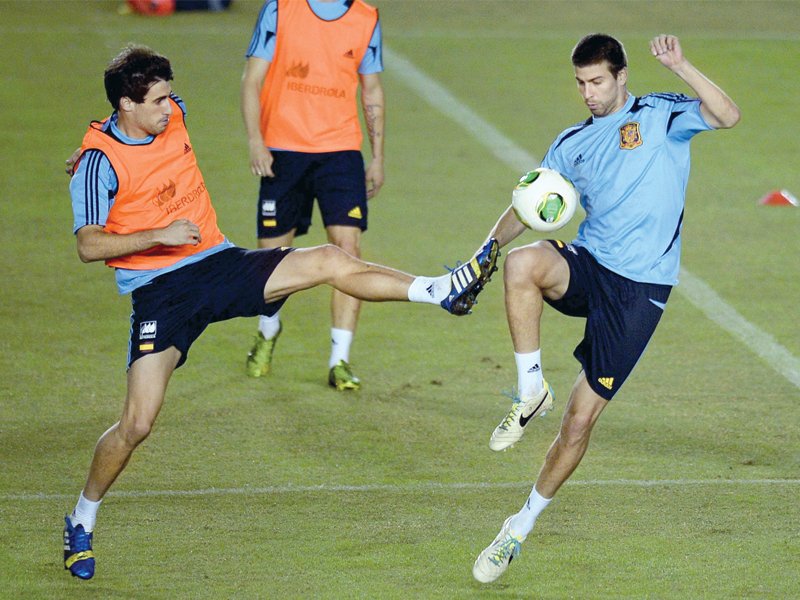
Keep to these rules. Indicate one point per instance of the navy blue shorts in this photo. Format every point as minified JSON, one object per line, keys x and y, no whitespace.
{"x":621,"y":316}
{"x":335,"y":179}
{"x":175,"y":308}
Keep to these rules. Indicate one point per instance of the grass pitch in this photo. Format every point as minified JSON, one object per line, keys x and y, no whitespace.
{"x":284,"y":489}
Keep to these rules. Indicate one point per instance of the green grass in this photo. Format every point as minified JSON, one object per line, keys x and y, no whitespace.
{"x":282,"y":488}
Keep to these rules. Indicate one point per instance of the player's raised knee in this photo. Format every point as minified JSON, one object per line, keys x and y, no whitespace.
{"x":519,"y":264}
{"x":331,"y":254}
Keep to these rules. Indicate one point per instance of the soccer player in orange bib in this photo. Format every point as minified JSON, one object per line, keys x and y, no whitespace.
{"x":299,"y":97}
{"x":141,"y":205}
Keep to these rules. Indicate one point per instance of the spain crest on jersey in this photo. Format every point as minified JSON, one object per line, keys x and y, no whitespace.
{"x":629,"y":136}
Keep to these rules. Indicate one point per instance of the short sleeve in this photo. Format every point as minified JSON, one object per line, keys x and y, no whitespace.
{"x":685,"y":120}
{"x":553,"y":160}
{"x":93,"y":188}
{"x":373,"y":59}
{"x":262,"y":44}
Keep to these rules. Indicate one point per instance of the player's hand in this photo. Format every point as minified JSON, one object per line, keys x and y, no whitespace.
{"x":261,"y":161}
{"x":667,"y":49}
{"x":374,"y":178}
{"x":69,"y":164}
{"x":179,"y":233}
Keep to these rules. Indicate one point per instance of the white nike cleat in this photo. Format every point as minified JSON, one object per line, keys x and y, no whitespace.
{"x":522,"y":411}
{"x":495,"y":558}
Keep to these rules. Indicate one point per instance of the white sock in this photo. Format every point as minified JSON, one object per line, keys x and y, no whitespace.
{"x":429,"y":289}
{"x":340,"y":346}
{"x":85,"y":513}
{"x":269,"y":326}
{"x":529,"y":373}
{"x":522,"y":522}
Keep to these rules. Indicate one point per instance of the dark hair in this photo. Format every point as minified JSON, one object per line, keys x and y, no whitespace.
{"x":132,"y":73}
{"x":598,"y":47}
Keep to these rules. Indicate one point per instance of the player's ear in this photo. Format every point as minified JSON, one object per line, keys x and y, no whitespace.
{"x":126,"y":104}
{"x":622,"y":76}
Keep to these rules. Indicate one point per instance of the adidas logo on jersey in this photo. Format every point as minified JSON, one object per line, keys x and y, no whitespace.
{"x":349,"y":54}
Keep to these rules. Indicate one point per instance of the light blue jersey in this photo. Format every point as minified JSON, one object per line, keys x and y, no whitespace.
{"x":93,"y":189}
{"x":262,"y":44}
{"x":631,"y":168}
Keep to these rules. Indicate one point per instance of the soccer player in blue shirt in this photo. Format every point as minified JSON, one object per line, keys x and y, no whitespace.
{"x":630,"y":162}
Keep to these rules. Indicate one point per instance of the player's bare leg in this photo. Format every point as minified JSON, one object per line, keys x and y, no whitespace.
{"x":344,"y":314}
{"x":345,"y":309}
{"x":567,"y":450}
{"x":530,"y":274}
{"x":283,"y":241}
{"x":147,"y":384}
{"x":306,"y":268}
{"x":563,"y":457}
{"x":259,"y":359}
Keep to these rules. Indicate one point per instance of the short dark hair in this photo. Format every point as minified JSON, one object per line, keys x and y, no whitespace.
{"x":598,"y":47}
{"x":132,"y":73}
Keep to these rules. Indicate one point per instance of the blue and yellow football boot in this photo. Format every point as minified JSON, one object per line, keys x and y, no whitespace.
{"x":78,"y":554}
{"x":467,"y":280}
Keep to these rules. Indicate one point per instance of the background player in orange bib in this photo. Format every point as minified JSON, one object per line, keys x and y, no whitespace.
{"x":299,"y":97}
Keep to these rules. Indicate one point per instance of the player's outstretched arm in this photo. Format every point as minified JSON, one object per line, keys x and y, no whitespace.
{"x":507,"y":229}
{"x":718,"y":109}
{"x":95,"y":243}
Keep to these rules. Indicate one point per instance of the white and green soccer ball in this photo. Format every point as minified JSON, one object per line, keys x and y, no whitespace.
{"x":544,"y":200}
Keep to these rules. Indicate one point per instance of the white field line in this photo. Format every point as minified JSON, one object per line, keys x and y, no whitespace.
{"x":435,"y":94}
{"x":715,"y":308}
{"x":506,"y":151}
{"x":405,"y":488}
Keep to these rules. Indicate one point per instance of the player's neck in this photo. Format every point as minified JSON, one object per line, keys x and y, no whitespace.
{"x":619,"y":104}
{"x":130,"y":129}
{"x":623,"y":100}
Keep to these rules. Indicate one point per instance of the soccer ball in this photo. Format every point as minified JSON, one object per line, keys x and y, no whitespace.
{"x":544,"y":200}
